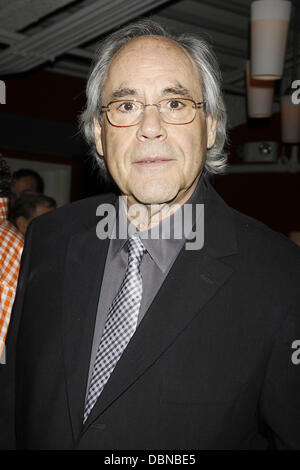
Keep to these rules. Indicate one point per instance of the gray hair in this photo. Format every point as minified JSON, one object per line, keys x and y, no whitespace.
{"x":204,"y":58}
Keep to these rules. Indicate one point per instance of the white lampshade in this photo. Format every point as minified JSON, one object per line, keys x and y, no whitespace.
{"x":290,"y":120}
{"x":260,"y":95}
{"x":269,"y":29}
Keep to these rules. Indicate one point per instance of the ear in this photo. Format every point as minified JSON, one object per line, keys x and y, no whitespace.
{"x":211,"y":126}
{"x":97,"y":136}
{"x":22,"y":224}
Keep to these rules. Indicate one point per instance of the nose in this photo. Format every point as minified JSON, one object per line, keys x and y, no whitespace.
{"x":151,"y":126}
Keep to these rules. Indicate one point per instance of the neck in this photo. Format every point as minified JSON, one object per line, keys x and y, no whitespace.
{"x":147,"y":216}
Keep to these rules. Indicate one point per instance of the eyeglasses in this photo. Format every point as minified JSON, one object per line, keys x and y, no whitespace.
{"x":126,"y":113}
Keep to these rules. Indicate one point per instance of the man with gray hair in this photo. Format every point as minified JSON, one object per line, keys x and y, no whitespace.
{"x":124,"y":340}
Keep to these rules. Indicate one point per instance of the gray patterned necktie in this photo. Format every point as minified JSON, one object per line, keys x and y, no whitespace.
{"x":120,"y":323}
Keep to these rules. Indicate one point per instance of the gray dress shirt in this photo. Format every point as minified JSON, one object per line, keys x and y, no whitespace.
{"x":155,"y":265}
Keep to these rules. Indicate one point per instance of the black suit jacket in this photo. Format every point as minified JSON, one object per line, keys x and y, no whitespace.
{"x":209,"y":367}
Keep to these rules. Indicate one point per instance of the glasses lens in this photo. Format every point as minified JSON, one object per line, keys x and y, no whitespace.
{"x":177,"y":110}
{"x":124,"y":113}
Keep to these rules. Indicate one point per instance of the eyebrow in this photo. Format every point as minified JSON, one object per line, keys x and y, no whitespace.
{"x":121,"y":92}
{"x":172,"y":90}
{"x":177,"y":90}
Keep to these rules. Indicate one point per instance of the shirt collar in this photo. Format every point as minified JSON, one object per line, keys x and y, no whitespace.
{"x":164,"y":249}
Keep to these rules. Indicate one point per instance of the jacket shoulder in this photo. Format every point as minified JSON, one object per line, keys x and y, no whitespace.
{"x":253,"y":230}
{"x":265,"y":251}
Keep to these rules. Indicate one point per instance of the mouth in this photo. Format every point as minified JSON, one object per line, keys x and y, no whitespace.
{"x":153,"y":161}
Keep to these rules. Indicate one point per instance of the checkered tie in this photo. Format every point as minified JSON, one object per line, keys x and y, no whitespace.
{"x":120,"y":323}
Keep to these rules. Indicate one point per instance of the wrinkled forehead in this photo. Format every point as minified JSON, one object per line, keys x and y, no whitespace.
{"x":151,"y":61}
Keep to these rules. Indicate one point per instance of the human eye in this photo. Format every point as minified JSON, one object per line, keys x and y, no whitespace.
{"x":175,"y":104}
{"x":126,"y":107}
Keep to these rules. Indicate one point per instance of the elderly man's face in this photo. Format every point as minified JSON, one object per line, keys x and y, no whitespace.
{"x":151,"y":69}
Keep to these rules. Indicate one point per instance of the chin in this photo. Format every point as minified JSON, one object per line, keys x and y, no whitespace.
{"x":155,"y":195}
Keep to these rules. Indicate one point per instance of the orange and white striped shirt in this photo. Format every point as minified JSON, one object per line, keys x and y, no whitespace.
{"x":11,"y":247}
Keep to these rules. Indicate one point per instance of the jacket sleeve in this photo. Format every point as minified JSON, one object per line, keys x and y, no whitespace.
{"x":280,"y":399}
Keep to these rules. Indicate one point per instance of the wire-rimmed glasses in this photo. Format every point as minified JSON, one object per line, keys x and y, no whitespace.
{"x":126,"y":113}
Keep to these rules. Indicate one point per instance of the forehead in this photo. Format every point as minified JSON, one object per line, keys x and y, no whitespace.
{"x":23,"y":183}
{"x":151,"y":63}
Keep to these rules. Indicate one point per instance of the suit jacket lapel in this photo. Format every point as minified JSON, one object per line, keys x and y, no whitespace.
{"x":194,"y":278}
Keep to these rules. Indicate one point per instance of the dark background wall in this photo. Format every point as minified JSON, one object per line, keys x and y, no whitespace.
{"x":270,"y":197}
{"x":40,"y":121}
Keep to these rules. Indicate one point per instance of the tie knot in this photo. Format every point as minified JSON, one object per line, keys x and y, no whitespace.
{"x":136,"y":248}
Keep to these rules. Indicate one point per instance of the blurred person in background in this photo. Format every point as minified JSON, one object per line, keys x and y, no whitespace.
{"x":11,"y":247}
{"x":28,"y":206}
{"x":25,"y":179}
